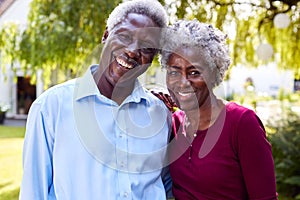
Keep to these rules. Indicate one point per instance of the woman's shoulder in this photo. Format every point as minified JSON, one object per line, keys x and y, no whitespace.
{"x":234,"y":107}
{"x":237,"y":112}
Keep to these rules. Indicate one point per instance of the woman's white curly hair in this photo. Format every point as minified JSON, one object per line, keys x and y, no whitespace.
{"x":210,"y":42}
{"x":150,"y":8}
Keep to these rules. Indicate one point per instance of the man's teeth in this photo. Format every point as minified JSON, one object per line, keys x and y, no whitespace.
{"x":124,"y":64}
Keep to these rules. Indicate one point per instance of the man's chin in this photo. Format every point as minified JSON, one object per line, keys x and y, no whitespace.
{"x":134,"y":73}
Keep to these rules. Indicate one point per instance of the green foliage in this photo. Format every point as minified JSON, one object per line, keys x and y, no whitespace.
{"x":249,"y":23}
{"x":283,"y":131}
{"x":285,"y":141}
{"x":59,"y":36}
{"x":9,"y":45}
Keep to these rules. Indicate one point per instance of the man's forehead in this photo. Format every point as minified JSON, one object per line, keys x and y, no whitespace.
{"x":153,"y":9}
{"x":135,"y":21}
{"x":144,"y":30}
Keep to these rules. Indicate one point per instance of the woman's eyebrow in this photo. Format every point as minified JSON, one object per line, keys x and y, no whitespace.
{"x":174,"y":66}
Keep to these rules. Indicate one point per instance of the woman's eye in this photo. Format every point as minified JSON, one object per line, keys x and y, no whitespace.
{"x":172,"y":73}
{"x":195,"y":73}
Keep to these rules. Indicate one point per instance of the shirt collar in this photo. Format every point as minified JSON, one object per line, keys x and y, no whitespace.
{"x":138,"y":93}
{"x":86,"y":86}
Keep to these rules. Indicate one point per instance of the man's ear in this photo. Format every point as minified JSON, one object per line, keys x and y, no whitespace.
{"x":105,"y":35}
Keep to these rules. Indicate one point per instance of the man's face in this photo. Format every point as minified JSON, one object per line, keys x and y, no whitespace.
{"x":130,"y":48}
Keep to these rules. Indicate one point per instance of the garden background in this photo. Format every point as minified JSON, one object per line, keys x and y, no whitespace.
{"x":259,"y":32}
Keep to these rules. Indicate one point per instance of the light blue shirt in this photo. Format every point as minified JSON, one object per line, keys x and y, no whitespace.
{"x":81,"y":145}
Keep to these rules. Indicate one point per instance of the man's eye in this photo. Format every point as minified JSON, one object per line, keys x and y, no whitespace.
{"x":149,"y":50}
{"x":147,"y":47}
{"x":124,"y":38}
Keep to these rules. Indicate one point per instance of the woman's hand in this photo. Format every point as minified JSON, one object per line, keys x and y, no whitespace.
{"x":166,"y":98}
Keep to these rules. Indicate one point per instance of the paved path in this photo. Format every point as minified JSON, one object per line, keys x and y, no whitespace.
{"x":14,"y":122}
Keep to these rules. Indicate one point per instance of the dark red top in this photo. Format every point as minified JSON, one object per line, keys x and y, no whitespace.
{"x":235,"y":160}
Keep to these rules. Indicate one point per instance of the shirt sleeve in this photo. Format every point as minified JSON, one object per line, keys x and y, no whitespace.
{"x":167,"y":181}
{"x":255,"y":155}
{"x":37,"y":157}
{"x":165,"y":174}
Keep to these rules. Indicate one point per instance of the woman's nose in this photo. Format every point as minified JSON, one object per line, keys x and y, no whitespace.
{"x":184,"y":81}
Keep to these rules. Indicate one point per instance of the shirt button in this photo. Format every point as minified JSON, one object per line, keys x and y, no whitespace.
{"x":120,"y":135}
{"x":125,"y":194}
{"x":122,"y":164}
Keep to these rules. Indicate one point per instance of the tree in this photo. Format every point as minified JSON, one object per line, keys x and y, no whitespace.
{"x":249,"y":23}
{"x":59,"y":36}
{"x":9,"y":44}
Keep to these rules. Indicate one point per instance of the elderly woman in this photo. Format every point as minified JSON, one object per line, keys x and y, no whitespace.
{"x":220,"y":149}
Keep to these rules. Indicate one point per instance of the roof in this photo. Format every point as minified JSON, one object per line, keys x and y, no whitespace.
{"x":4,"y":4}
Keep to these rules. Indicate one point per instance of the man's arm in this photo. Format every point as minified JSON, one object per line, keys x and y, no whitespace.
{"x":167,"y":181}
{"x":37,"y":156}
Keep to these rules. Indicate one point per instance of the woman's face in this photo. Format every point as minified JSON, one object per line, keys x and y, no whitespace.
{"x":188,"y":78}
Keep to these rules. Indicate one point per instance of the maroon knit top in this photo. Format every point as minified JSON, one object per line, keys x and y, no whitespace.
{"x":230,"y":160}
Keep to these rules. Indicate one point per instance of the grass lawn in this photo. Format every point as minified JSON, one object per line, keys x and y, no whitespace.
{"x":11,"y":144}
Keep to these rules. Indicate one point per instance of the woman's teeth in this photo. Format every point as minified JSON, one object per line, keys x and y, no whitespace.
{"x":184,"y":94}
{"x":124,"y":64}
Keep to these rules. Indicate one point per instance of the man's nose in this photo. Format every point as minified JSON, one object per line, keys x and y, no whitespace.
{"x":133,"y":50}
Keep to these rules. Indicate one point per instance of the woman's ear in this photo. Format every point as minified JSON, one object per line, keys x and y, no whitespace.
{"x":105,"y":35}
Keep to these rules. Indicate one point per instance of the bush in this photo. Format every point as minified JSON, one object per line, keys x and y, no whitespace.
{"x":284,"y":135}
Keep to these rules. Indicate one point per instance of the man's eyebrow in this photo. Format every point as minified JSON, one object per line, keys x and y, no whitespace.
{"x":121,"y":29}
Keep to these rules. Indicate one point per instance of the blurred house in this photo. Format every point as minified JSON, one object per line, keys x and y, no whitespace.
{"x":17,"y":92}
{"x":266,"y":80}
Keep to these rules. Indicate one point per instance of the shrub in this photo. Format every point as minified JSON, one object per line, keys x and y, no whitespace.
{"x":284,"y":135}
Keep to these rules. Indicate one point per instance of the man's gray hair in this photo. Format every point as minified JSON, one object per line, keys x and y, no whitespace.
{"x":150,"y":8}
{"x":209,"y":41}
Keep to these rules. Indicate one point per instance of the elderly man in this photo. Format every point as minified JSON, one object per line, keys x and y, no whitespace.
{"x":103,"y":136}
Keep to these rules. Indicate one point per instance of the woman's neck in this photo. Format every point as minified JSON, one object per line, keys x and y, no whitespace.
{"x":206,"y":115}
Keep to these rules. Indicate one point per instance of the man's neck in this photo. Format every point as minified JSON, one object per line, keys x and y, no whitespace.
{"x":114,"y":91}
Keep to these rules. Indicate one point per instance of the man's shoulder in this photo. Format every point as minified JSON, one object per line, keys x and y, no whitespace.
{"x":58,"y":91}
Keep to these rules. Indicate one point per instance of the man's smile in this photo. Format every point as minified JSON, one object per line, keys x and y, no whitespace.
{"x":123,"y":62}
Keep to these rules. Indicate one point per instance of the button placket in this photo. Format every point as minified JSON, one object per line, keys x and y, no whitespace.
{"x":121,"y":140}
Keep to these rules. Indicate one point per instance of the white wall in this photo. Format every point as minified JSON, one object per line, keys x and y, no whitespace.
{"x":17,"y":12}
{"x":4,"y":89}
{"x":267,"y":79}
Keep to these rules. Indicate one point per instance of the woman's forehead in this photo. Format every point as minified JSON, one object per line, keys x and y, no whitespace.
{"x":190,"y":54}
